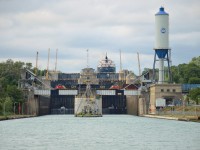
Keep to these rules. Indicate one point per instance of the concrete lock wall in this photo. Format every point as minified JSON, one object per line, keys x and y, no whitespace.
{"x":132,"y":105}
{"x":33,"y":106}
{"x":146,"y":101}
{"x":141,"y":106}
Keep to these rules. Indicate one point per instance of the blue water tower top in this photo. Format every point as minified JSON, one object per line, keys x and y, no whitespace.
{"x":162,"y":12}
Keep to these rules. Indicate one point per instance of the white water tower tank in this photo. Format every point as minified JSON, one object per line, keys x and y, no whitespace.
{"x":162,"y":29}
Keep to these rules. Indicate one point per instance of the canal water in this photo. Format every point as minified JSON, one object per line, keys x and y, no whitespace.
{"x":110,"y":132}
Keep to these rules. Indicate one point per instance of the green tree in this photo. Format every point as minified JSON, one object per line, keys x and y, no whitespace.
{"x":10,"y":73}
{"x":175,"y":74}
{"x":196,"y":60}
{"x":194,"y":80}
{"x":28,"y":65}
{"x":192,"y":71}
{"x":7,"y":104}
{"x":1,"y":106}
{"x":182,"y":72}
{"x":186,"y":73}
{"x":194,"y":94}
{"x":15,"y":93}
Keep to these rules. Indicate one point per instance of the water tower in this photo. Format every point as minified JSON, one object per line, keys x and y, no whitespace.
{"x":162,"y":44}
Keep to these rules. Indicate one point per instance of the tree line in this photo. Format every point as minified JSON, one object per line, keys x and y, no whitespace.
{"x":10,"y":73}
{"x":187,"y":73}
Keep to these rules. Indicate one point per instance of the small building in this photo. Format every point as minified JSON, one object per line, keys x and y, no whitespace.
{"x":169,"y":92}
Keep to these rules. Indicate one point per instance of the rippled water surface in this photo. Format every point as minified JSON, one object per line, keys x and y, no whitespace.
{"x":110,"y":132}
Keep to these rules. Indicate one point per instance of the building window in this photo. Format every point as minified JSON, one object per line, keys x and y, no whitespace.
{"x":174,"y":90}
{"x":168,"y":90}
{"x":162,"y":90}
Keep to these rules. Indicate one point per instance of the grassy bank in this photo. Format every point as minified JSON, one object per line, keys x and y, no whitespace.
{"x":181,"y":108}
{"x":175,"y":117}
{"x":185,"y":117}
{"x":9,"y":117}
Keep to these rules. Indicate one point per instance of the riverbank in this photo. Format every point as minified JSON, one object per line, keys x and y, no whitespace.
{"x":9,"y":117}
{"x":176,"y":117}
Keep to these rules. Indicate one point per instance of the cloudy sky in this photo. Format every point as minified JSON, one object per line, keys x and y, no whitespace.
{"x":73,"y":26}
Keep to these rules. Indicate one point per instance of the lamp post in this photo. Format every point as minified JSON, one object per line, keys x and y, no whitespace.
{"x":196,"y":108}
{"x":4,"y":108}
{"x":22,"y":108}
{"x":183,"y":107}
{"x":197,"y":102}
{"x":14,"y":107}
{"x":23,"y":105}
{"x":184,"y":99}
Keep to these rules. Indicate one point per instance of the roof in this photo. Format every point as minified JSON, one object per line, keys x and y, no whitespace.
{"x":130,"y":87}
{"x":115,"y":87}
{"x":161,"y":12}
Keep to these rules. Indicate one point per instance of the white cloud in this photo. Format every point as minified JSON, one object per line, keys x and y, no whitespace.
{"x":100,"y":26}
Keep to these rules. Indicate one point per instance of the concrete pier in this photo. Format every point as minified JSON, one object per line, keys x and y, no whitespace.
{"x":132,"y":105}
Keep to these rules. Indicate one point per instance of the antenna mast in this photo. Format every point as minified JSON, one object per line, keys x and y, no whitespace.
{"x":47,"y":73}
{"x":140,"y":75}
{"x":87,"y":58}
{"x":36,"y":65}
{"x":56,"y":60}
{"x":121,"y":73}
{"x":138,"y":56}
{"x":120,"y":61}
